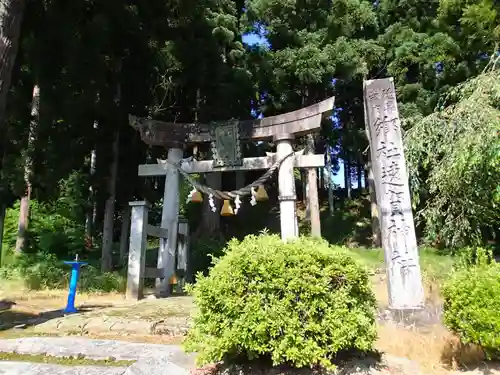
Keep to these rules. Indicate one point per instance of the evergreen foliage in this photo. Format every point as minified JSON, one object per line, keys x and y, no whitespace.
{"x":298,"y":303}
{"x":471,"y":302}
{"x":186,"y":61}
{"x":454,"y":162}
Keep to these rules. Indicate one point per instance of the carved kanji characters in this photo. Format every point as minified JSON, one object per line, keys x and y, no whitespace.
{"x":391,"y":172}
{"x":396,"y":241}
{"x":389,"y":106}
{"x":376,"y":110}
{"x":396,"y":201}
{"x":387,"y":149}
{"x":374,"y":94}
{"x":388,"y":93}
{"x":385,"y":125}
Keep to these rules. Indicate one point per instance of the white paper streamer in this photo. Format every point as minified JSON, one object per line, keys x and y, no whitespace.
{"x":212,"y":203}
{"x":237,"y":204}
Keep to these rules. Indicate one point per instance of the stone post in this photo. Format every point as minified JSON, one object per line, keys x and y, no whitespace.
{"x":137,"y":250}
{"x":286,"y":187}
{"x":169,"y":221}
{"x":393,"y":196}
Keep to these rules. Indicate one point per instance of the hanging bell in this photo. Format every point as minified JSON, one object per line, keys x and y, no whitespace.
{"x":261,"y":194}
{"x":173,"y":280}
{"x":196,"y":197}
{"x":226,"y":210}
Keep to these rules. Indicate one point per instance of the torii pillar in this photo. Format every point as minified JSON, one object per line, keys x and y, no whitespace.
{"x":169,"y":221}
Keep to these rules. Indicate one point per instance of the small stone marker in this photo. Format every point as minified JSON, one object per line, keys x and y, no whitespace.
{"x":393,"y":196}
{"x":137,"y":250}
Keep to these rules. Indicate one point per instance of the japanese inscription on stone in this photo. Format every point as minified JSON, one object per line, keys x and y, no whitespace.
{"x":393,"y":195}
{"x":226,"y":149}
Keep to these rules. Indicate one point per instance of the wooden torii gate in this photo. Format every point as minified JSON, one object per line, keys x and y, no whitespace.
{"x":225,"y":141}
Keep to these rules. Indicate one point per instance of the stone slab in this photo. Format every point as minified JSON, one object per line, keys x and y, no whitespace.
{"x":154,"y":366}
{"x":95,"y":349}
{"x":148,"y":317}
{"x":26,"y":368}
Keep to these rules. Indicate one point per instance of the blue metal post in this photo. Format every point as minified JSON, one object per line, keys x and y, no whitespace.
{"x":75,"y":273}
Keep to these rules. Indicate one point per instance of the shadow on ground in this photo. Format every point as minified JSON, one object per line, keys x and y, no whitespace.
{"x":371,"y":363}
{"x":12,"y":318}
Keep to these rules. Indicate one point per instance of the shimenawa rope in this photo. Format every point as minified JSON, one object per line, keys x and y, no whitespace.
{"x":231,"y":195}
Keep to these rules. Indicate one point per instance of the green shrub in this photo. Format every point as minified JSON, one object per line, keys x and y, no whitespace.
{"x":203,"y":250}
{"x":45,"y":271}
{"x":297,"y":303}
{"x":55,"y":226}
{"x":92,"y":280}
{"x":39,"y":271}
{"x":472,"y":303}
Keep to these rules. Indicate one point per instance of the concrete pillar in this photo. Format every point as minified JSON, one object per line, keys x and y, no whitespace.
{"x":169,"y":221}
{"x":286,"y":187}
{"x":137,"y":250}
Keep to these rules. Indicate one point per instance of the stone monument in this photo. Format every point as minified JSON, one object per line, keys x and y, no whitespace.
{"x":393,"y":196}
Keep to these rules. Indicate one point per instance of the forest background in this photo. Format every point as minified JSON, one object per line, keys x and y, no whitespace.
{"x":78,"y":69}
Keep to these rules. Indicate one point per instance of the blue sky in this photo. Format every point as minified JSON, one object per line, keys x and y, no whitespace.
{"x":253,"y":39}
{"x":256,"y":39}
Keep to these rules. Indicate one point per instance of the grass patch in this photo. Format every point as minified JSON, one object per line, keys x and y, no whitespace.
{"x":28,"y":332}
{"x":436,"y":267}
{"x":172,"y":307}
{"x":435,"y":264}
{"x":66,"y":361}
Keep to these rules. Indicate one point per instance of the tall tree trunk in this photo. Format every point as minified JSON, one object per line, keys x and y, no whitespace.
{"x":3,"y":208}
{"x":210,"y":224}
{"x":376,"y":231}
{"x":124,"y":234}
{"x":240,"y":179}
{"x":376,"y":235}
{"x":303,"y":180}
{"x":91,"y":212}
{"x":312,"y":193}
{"x":366,"y":176}
{"x":347,"y":177}
{"x":109,"y":210}
{"x":330,"y":183}
{"x":109,"y":206}
{"x":359,"y":170}
{"x":11,"y":17}
{"x":28,"y":171}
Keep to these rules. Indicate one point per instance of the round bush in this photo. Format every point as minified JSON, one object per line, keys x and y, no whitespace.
{"x":297,"y":303}
{"x":472,"y":306}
